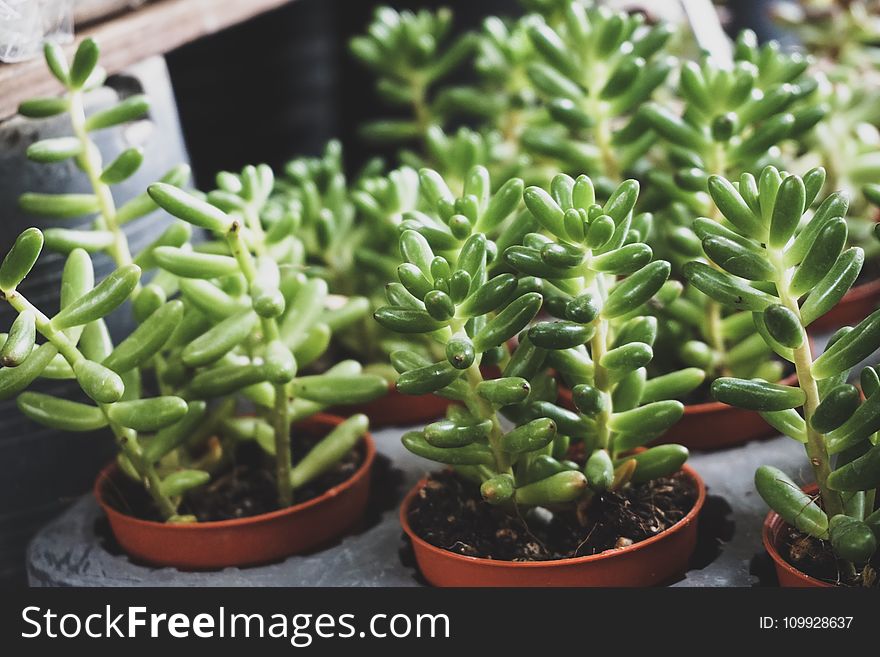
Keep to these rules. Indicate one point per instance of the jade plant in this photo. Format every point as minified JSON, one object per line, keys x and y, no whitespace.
{"x":788,"y":269}
{"x":219,"y":323}
{"x":479,"y":302}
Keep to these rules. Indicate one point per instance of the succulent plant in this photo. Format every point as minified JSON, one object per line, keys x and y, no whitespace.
{"x":79,"y":77}
{"x":732,"y":122}
{"x":410,"y":52}
{"x":788,"y":270}
{"x":469,"y":301}
{"x":230,"y":318}
{"x":844,"y":31}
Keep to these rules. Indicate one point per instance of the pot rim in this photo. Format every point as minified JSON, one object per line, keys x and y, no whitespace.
{"x":319,"y":418}
{"x":773,"y":520}
{"x":858,"y":292}
{"x":555,"y":563}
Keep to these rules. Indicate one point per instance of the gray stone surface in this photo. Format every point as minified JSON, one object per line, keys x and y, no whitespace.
{"x":68,"y":553}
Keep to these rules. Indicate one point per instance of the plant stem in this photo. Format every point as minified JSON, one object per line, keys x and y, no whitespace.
{"x":714,"y":333}
{"x":92,"y":166}
{"x":483,"y":409}
{"x":816,"y":449}
{"x":280,"y":411}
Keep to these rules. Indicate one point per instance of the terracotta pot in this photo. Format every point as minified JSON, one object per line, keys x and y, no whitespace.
{"x":856,"y":304}
{"x":398,"y":410}
{"x":653,"y":561}
{"x":773,"y":535}
{"x":244,"y":541}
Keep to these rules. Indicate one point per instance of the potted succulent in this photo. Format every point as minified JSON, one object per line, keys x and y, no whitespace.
{"x":788,"y":273}
{"x":731,"y":121}
{"x":226,"y":321}
{"x":523,"y":465}
{"x":842,"y":36}
{"x":345,"y":235}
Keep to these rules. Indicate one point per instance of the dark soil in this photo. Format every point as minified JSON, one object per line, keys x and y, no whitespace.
{"x":450,"y":513}
{"x":246,"y":488}
{"x":816,"y":559}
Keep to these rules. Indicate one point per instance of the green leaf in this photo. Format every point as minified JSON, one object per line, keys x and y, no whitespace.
{"x":508,"y":322}
{"x":181,"y":481}
{"x":176,"y":434}
{"x":821,"y":257}
{"x":837,"y":407}
{"x":65,"y":240}
{"x":148,"y":414}
{"x":15,"y":379}
{"x":57,"y":62}
{"x":473,"y":454}
{"x":60,"y":413}
{"x":184,"y":205}
{"x":133,"y":107}
{"x":21,"y":258}
{"x":757,"y":395}
{"x":20,"y":341}
{"x":147,"y":339}
{"x":60,"y":206}
{"x":54,"y":150}
{"x":786,"y":498}
{"x":837,"y":282}
{"x":84,"y":61}
{"x":734,"y":208}
{"x":192,"y":264}
{"x":852,"y":539}
{"x":103,"y":299}
{"x":329,"y":450}
{"x":123,"y":167}
{"x":98,"y":382}
{"x":339,"y":389}
{"x":660,"y":461}
{"x":850,"y":349}
{"x":39,"y":108}
{"x":787,"y":210}
{"x":633,"y":291}
{"x":559,"y":488}
{"x":726,"y":289}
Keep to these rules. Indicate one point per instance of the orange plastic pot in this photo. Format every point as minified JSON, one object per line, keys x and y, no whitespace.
{"x":398,"y":410}
{"x":244,"y":541}
{"x":655,"y":560}
{"x":773,"y":535}
{"x":855,"y":305}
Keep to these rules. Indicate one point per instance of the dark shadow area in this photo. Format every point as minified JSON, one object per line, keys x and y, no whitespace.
{"x":715,"y":528}
{"x":762,"y":567}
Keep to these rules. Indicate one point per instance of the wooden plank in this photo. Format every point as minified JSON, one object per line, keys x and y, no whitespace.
{"x":89,"y":11}
{"x":155,"y":28}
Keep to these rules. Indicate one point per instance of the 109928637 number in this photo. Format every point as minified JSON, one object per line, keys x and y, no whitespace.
{"x":817,"y":622}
